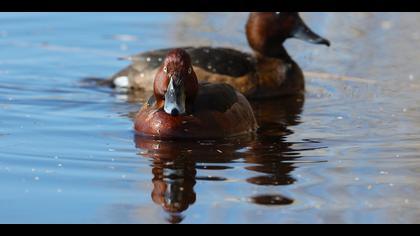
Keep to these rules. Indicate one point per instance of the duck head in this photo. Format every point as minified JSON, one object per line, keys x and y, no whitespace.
{"x":267,"y":31}
{"x":176,"y":86}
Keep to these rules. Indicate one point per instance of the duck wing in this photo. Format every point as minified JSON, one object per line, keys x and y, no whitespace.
{"x":224,"y":61}
{"x":215,"y":97}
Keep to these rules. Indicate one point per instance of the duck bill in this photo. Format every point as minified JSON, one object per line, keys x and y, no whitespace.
{"x":175,"y":99}
{"x":303,"y":32}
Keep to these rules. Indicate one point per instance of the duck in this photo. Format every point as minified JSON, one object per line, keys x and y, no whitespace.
{"x":267,"y":72}
{"x":183,"y":108}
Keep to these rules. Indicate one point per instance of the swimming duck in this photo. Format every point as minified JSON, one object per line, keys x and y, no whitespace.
{"x":183,"y":108}
{"x":268,"y":72}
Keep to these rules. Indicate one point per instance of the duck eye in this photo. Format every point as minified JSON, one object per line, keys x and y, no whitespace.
{"x":189,"y":70}
{"x":165,"y":69}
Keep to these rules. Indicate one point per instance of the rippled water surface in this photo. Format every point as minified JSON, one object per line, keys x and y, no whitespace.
{"x":348,"y":151}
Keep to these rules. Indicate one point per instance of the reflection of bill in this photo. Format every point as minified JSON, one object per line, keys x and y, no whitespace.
{"x":173,"y":187}
{"x":175,"y":167}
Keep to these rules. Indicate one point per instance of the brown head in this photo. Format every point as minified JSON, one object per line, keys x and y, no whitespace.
{"x":176,"y":86}
{"x":267,"y":31}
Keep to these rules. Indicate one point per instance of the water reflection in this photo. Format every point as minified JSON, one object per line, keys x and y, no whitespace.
{"x":173,"y":186}
{"x":176,"y":165}
{"x":270,"y":151}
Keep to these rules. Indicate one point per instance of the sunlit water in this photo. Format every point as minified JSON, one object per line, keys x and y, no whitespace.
{"x":346,"y":152}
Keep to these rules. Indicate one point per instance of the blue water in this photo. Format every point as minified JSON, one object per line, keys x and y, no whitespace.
{"x":346,"y":152}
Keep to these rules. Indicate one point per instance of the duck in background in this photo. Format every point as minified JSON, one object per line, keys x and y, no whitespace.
{"x":183,"y":108}
{"x":268,"y":72}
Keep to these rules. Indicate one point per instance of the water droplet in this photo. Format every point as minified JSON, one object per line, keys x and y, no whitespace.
{"x":60,"y":165}
{"x":36,"y":178}
{"x":148,"y":59}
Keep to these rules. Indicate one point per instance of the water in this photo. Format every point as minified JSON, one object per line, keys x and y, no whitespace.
{"x":347,"y":152}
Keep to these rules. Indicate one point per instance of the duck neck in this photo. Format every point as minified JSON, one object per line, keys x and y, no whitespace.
{"x":277,"y":75}
{"x":279,"y":53}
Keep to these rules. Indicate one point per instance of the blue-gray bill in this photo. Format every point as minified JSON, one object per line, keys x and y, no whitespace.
{"x":175,"y":98}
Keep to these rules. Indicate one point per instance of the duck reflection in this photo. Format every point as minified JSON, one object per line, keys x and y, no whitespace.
{"x":173,"y":186}
{"x":174,"y":168}
{"x":271,"y":155}
{"x":176,"y":164}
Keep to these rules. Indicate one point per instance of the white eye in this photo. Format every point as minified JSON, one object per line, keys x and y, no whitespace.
{"x":165,"y":69}
{"x":189,"y":70}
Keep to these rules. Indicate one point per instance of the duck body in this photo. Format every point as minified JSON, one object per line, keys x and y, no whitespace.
{"x":267,"y":72}
{"x":192,"y":110}
{"x":218,"y":112}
